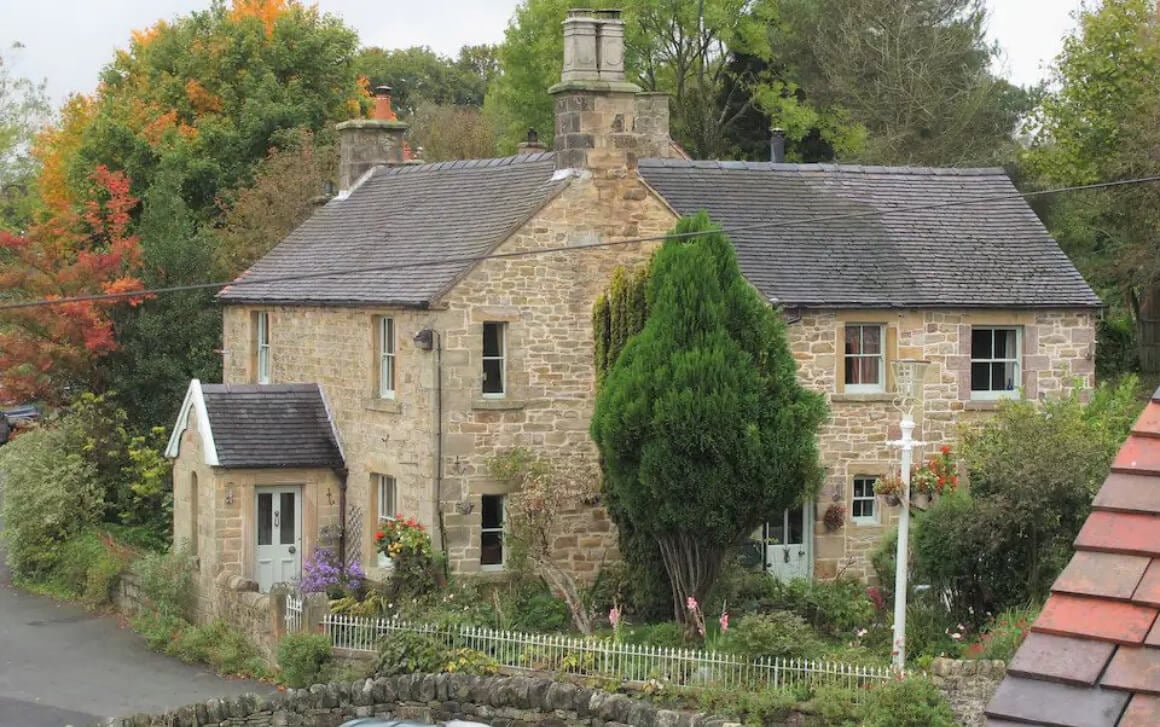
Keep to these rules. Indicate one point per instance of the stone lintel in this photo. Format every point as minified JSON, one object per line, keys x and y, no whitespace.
{"x":593,"y":86}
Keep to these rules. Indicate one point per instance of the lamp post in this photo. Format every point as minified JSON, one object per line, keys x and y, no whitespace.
{"x":908,"y":391}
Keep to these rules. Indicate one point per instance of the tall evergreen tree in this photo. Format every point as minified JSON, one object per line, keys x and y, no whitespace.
{"x":703,"y":429}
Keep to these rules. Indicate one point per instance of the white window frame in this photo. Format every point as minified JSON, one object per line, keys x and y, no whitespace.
{"x":1017,"y":360}
{"x":386,"y":484}
{"x":502,"y":530}
{"x":868,"y":482}
{"x":262,"y":343}
{"x":387,"y":370}
{"x":847,"y":358}
{"x":502,"y":358}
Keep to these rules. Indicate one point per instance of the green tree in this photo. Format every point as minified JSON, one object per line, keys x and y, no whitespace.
{"x":1099,"y":124}
{"x":913,"y":76}
{"x":452,"y":132}
{"x":702,"y":427}
{"x":418,"y":74}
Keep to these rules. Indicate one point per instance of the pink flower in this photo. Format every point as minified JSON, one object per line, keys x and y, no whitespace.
{"x":691,"y":603}
{"x":724,"y":620}
{"x":614,"y":616}
{"x":701,"y":630}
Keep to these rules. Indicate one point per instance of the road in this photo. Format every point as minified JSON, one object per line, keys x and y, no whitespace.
{"x":61,"y":665}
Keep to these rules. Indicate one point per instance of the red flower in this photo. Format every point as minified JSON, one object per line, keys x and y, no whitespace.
{"x":379,"y":535}
{"x":945,"y":449}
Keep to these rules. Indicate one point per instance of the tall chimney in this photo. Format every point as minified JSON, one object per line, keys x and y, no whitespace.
{"x":368,"y":143}
{"x":595,"y":106}
{"x":777,"y":145}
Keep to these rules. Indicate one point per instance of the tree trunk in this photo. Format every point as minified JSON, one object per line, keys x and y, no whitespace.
{"x":692,"y":567}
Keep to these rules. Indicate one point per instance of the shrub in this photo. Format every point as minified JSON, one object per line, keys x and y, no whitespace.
{"x":913,"y":702}
{"x":221,"y":646}
{"x":779,"y":634}
{"x":166,"y":581}
{"x":667,"y":634}
{"x":159,"y":629}
{"x":744,"y":590}
{"x":1033,"y":471}
{"x":531,"y":607}
{"x":1002,"y":635}
{"x":832,"y":607}
{"x":51,"y":493}
{"x":752,"y":707}
{"x":323,"y":573}
{"x":406,"y":652}
{"x":87,"y":567}
{"x":303,"y":657}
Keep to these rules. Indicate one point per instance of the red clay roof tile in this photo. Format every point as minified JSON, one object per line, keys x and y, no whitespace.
{"x":1148,"y":423}
{"x":1139,"y":455}
{"x":1062,"y":659}
{"x":1120,"y":532}
{"x":1148,"y":591}
{"x":1036,"y":702}
{"x":1135,"y":669}
{"x":1123,"y":623}
{"x":1102,"y":574}
{"x":1142,"y":711}
{"x":1136,"y":493}
{"x":1153,"y":637}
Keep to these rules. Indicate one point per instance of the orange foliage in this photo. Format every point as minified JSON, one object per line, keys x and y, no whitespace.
{"x":55,"y":148}
{"x":268,"y":11}
{"x":69,"y":254}
{"x":142,"y":38}
{"x":201,"y":99}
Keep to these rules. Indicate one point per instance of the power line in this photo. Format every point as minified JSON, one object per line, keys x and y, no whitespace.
{"x":467,"y":260}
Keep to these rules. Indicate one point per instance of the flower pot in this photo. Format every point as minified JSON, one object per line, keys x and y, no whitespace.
{"x":892,"y":500}
{"x":921,"y":500}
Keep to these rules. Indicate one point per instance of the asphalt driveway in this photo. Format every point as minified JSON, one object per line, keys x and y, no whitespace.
{"x":61,"y":665}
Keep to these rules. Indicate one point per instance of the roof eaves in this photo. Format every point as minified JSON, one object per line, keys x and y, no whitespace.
{"x":194,"y":403}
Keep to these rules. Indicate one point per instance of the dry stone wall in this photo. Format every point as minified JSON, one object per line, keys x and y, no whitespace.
{"x":968,"y":685}
{"x":496,"y":701}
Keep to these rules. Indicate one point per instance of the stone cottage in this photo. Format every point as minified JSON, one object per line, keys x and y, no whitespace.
{"x":441,"y":315}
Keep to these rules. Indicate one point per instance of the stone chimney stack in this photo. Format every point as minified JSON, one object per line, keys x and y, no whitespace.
{"x":595,"y":106}
{"x":368,"y":143}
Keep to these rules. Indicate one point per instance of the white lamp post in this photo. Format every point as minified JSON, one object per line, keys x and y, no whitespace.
{"x":908,"y":375}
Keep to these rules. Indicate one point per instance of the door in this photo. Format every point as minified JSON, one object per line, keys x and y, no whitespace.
{"x":278,"y":551}
{"x":788,"y":545}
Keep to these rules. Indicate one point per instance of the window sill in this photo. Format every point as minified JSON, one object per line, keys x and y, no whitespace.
{"x":498,"y":404}
{"x":866,"y":523}
{"x":984,"y":404}
{"x":390,"y":406}
{"x":863,"y":396}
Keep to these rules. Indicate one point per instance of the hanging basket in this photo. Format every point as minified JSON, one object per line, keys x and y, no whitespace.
{"x":892,"y":500}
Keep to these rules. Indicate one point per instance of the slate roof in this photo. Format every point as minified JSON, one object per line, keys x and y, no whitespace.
{"x":993,"y":254}
{"x":1093,"y":655}
{"x":403,"y":215}
{"x":271,"y":426}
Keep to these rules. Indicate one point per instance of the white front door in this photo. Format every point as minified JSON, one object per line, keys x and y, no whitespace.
{"x":278,"y":551}
{"x":788,"y":545}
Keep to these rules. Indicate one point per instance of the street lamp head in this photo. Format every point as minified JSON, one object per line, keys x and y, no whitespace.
{"x":908,"y":378}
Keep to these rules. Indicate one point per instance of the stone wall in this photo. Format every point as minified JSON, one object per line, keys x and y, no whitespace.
{"x":968,"y":685}
{"x":497,"y":701}
{"x":1058,"y":351}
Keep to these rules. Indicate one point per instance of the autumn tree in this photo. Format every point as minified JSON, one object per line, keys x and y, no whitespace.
{"x":47,"y":351}
{"x":703,"y":430}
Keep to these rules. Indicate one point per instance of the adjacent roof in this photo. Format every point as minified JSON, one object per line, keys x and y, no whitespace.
{"x":1093,"y":655}
{"x":991,"y":254}
{"x":399,"y":216}
{"x":260,"y":426}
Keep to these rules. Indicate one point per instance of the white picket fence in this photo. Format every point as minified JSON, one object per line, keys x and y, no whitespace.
{"x":607,"y":659}
{"x":293,"y":616}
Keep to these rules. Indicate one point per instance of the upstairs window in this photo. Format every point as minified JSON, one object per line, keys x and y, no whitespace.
{"x":262,"y":346}
{"x":386,"y":362}
{"x":494,"y":352}
{"x":865,"y":358}
{"x":995,"y":362}
{"x":491,"y":550}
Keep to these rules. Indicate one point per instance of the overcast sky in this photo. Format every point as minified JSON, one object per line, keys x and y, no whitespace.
{"x":67,"y":41}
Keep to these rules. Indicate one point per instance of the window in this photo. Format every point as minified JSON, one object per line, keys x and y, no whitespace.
{"x":862,"y":504}
{"x":491,"y":555}
{"x":865,"y":358}
{"x":193,"y":513}
{"x":388,"y":504}
{"x":262,"y":346}
{"x":386,"y":358}
{"x":494,"y":344}
{"x":995,"y":365}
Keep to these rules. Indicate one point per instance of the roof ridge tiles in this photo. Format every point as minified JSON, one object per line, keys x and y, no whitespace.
{"x":854,"y":169}
{"x":427,"y":167}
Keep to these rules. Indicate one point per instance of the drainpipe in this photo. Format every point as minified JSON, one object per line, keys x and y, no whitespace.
{"x":342,"y":473}
{"x":436,"y":496}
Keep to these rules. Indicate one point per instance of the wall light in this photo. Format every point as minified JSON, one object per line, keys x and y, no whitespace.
{"x":230,"y":494}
